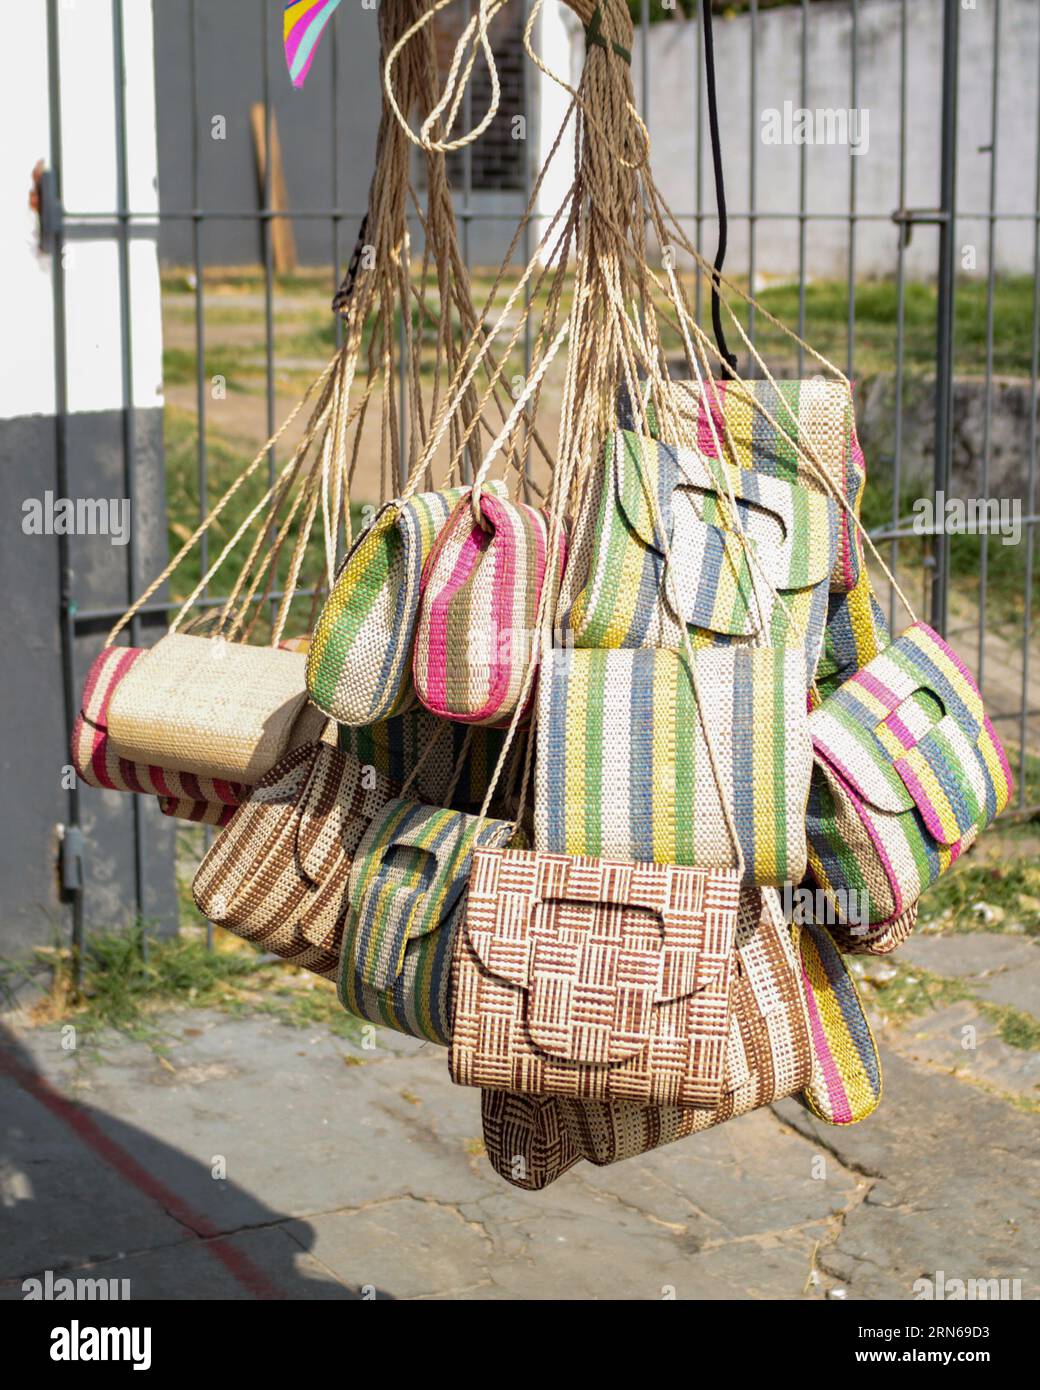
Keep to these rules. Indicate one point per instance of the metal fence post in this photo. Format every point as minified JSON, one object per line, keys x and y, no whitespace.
{"x":945,"y":317}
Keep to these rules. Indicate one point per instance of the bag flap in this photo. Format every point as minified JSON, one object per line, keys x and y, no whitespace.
{"x":905,"y":730}
{"x":597,"y":943}
{"x":793,"y":529}
{"x":408,"y":877}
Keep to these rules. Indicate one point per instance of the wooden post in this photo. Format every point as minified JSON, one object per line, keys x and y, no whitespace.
{"x":283,"y":241}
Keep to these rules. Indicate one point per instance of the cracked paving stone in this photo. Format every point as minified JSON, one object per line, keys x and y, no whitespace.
{"x":1002,"y":969}
{"x":959,"y":1189}
{"x":402,"y":1248}
{"x":938,"y":1039}
{"x":343,"y":1175}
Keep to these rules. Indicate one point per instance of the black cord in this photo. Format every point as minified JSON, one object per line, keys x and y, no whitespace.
{"x":729,"y":358}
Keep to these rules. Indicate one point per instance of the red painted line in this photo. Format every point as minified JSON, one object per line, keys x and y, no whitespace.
{"x":239,"y":1266}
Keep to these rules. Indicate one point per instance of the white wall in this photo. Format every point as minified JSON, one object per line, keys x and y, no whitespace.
{"x":674,"y":129}
{"x":27,"y":376}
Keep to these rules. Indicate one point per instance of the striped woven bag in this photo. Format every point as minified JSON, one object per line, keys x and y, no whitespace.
{"x":480,"y":593}
{"x":531,"y":1140}
{"x":908,"y":771}
{"x":200,"y":812}
{"x":615,"y":592}
{"x":793,"y":430}
{"x":593,"y":978}
{"x":856,"y":632}
{"x":846,"y":1082}
{"x":99,"y":765}
{"x":278,"y":873}
{"x":359,"y":667}
{"x":455,"y":772}
{"x":623,"y":765}
{"x":407,"y":896}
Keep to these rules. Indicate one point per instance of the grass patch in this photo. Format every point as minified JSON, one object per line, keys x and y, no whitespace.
{"x":123,"y":989}
{"x":952,"y":898}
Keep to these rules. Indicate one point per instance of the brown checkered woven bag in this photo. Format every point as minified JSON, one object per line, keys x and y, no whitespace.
{"x":594,"y":978}
{"x":531,"y":1141}
{"x":278,"y":874}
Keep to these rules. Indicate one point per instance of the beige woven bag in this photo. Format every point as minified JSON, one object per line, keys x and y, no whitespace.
{"x":219,"y":709}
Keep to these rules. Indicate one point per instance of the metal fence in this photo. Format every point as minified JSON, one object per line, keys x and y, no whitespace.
{"x":63,"y":225}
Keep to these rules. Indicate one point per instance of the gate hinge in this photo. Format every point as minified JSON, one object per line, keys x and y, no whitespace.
{"x":73,"y":854}
{"x":49,"y":207}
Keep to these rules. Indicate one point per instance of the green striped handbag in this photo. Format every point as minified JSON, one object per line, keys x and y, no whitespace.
{"x":623,"y":763}
{"x":616,"y":592}
{"x":359,"y":667}
{"x":455,"y":772}
{"x":407,"y":897}
{"x":793,"y":430}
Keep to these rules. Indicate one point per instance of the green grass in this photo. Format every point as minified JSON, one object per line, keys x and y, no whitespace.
{"x":1000,"y":885}
{"x":123,"y":988}
{"x":876,"y":319}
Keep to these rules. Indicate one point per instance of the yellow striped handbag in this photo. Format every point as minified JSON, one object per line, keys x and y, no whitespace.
{"x":800,"y":431}
{"x":624,"y":766}
{"x":650,"y":500}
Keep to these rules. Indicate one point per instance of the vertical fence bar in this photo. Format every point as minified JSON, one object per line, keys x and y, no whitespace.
{"x":753,"y":127}
{"x":897,"y":453}
{"x":699,"y":159}
{"x":268,"y":243}
{"x":529,"y":126}
{"x":200,"y":339}
{"x":126,"y":352}
{"x":946,"y":316}
{"x":1031,"y":487}
{"x":853,"y":106}
{"x":336,"y":220}
{"x":991,"y":282}
{"x":803,"y":169}
{"x":66,"y":597}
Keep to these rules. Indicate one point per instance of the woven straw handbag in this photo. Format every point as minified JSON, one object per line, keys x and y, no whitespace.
{"x":278,"y":873}
{"x":215,"y":708}
{"x":624,"y":766}
{"x":908,"y":771}
{"x":615,"y":592}
{"x":799,"y":431}
{"x":359,"y":667}
{"x":797,"y":1027}
{"x":200,"y":812}
{"x":99,"y":765}
{"x":768,"y":1056}
{"x":846,"y":1081}
{"x":451,"y":764}
{"x":407,"y":896}
{"x":856,"y":632}
{"x":594,"y":978}
{"x":480,"y":593}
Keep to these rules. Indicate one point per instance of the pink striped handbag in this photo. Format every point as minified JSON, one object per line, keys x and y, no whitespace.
{"x":480,"y":593}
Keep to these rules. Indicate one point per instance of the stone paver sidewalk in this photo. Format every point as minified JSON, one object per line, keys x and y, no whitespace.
{"x":258,"y":1160}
